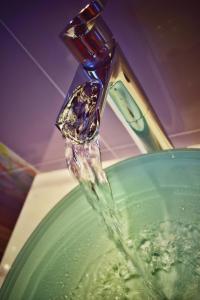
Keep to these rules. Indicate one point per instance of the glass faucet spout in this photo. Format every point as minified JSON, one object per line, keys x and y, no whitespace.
{"x":106,"y":75}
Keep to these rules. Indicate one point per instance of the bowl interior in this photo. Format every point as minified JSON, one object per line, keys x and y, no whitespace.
{"x":70,"y":257}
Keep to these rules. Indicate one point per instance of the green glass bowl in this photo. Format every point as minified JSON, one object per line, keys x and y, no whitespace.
{"x":69,"y":255}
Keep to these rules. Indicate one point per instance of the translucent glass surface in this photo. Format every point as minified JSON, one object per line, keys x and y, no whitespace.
{"x":70,"y":257}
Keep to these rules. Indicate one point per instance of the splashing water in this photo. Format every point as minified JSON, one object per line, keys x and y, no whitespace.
{"x":171,"y":251}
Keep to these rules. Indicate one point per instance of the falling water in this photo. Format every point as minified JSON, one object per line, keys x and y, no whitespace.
{"x":85,"y":164}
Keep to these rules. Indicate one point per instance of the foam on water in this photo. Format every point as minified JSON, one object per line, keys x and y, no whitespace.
{"x":171,"y":251}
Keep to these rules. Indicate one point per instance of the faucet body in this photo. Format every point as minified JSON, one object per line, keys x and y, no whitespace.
{"x":104,"y":74}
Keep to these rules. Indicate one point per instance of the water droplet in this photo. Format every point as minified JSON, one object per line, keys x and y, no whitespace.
{"x":130,"y":243}
{"x":6,"y":267}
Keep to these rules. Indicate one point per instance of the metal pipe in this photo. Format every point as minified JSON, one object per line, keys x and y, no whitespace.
{"x":104,"y":73}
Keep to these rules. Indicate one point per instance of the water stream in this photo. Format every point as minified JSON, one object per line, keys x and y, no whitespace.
{"x":79,"y":123}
